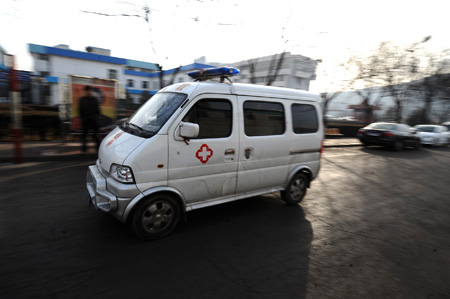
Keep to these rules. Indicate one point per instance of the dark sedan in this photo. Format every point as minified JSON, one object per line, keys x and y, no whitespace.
{"x":392,"y":135}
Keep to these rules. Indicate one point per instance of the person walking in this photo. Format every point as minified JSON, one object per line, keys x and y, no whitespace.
{"x":89,"y":113}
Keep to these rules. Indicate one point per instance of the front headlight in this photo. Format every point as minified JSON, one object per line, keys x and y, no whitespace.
{"x":121,"y":173}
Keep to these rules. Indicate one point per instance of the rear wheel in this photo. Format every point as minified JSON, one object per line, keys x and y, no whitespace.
{"x":155,"y":217}
{"x":295,"y":190}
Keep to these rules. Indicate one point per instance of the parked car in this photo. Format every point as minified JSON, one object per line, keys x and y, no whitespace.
{"x":392,"y":135}
{"x":447,"y":125}
{"x":433,"y":135}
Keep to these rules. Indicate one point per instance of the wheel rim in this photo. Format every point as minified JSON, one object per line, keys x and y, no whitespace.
{"x":297,"y":189}
{"x":158,"y":216}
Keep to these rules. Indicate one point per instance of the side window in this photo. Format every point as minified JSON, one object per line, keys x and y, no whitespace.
{"x":263,"y":118}
{"x":304,"y":119}
{"x":214,"y":117}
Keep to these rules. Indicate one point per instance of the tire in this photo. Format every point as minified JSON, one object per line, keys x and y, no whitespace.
{"x":155,"y":217}
{"x":398,"y":145}
{"x":295,"y":190}
{"x":417,"y":145}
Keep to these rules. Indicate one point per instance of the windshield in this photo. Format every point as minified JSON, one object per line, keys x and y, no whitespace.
{"x":148,"y":119}
{"x":425,"y":128}
{"x":382,"y":126}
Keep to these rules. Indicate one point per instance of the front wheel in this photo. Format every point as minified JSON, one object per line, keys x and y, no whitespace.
{"x":296,"y":189}
{"x":155,"y":217}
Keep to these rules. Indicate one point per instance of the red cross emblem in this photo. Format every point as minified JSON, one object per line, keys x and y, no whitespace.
{"x":204,"y":153}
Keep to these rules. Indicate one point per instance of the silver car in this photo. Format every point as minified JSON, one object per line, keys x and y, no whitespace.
{"x":433,"y":135}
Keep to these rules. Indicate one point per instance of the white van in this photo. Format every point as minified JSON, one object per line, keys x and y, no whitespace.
{"x":199,"y":144}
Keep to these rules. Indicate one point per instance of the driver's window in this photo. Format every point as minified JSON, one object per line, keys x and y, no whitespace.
{"x":214,"y":117}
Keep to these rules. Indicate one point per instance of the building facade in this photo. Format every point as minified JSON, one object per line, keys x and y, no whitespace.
{"x":54,"y":66}
{"x":280,"y":70}
{"x":4,"y":85}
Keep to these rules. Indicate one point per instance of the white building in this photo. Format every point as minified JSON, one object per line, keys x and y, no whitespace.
{"x":55,"y":66}
{"x":283,"y":70}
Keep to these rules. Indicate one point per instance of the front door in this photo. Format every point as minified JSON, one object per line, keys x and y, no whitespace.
{"x":205,"y":168}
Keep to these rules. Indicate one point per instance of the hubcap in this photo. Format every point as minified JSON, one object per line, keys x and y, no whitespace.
{"x":157,"y":216}
{"x":297,"y":188}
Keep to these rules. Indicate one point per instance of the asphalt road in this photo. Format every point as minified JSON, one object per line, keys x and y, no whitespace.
{"x":375,"y":224}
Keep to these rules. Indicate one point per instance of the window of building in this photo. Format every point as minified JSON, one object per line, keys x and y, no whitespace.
{"x":263,"y":118}
{"x":214,"y":117}
{"x":112,"y":74}
{"x":43,"y":57}
{"x":44,"y":74}
{"x":304,"y":119}
{"x":144,"y":84}
{"x":130,"y":83}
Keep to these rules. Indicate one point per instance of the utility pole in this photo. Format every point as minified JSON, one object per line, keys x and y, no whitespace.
{"x":16,"y":112}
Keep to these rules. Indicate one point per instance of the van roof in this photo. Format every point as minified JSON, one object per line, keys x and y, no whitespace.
{"x":241,"y":89}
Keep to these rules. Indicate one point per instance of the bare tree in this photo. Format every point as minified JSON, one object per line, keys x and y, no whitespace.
{"x":385,"y":74}
{"x":400,"y":73}
{"x":275,"y":66}
{"x":435,"y":82}
{"x":327,"y":97}
{"x":251,"y":66}
{"x":366,"y":82}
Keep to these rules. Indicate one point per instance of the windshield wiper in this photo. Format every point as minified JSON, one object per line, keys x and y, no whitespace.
{"x":141,"y":131}
{"x":136,"y":126}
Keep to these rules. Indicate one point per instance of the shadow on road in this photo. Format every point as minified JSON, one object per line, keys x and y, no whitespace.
{"x":53,"y":246}
{"x":254,"y":248}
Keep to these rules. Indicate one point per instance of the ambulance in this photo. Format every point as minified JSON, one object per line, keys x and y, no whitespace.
{"x":203,"y":143}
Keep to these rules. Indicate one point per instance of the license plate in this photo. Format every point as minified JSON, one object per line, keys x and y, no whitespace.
{"x":373,"y":134}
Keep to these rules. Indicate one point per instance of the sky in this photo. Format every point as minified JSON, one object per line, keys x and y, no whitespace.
{"x":178,"y":31}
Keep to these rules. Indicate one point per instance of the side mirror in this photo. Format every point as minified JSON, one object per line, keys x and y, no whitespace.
{"x":188,"y":130}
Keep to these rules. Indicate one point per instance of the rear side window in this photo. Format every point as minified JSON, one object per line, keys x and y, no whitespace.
{"x":304,"y":119}
{"x":214,"y":117}
{"x":263,"y":118}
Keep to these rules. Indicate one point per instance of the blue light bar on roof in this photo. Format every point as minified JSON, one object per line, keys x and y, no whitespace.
{"x":220,"y":72}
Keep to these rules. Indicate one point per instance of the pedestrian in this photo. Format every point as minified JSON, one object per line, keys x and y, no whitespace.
{"x":89,"y":113}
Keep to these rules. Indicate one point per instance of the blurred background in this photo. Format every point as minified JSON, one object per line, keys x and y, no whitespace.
{"x":369,"y":61}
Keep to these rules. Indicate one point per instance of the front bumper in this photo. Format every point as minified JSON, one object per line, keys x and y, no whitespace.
{"x":427,"y":140}
{"x":98,"y":195}
{"x":107,"y":194}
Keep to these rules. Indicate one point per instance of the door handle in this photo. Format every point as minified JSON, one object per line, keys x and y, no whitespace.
{"x":229,"y":152}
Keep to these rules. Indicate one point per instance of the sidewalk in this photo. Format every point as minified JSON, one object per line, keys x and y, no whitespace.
{"x":60,"y":150}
